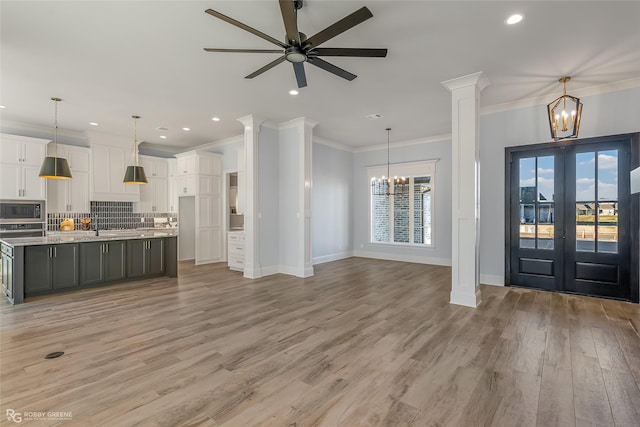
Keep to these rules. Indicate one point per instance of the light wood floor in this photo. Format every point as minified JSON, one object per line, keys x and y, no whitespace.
{"x":363,"y":343}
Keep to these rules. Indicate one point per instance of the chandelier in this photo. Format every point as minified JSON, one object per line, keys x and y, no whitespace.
{"x":387,"y":186}
{"x":564,"y":124}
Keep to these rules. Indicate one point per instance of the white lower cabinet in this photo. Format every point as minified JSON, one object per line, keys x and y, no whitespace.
{"x":235,"y":250}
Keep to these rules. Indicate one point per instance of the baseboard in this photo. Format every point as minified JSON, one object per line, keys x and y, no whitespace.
{"x":332,"y":257}
{"x":270,"y":270}
{"x":404,"y":258}
{"x":490,"y":279}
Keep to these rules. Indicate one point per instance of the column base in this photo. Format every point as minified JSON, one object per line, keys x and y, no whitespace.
{"x":467,"y":299}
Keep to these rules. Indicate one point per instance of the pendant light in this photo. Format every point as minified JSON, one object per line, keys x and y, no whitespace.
{"x":383,"y":186}
{"x":135,"y":174}
{"x":564,"y":125}
{"x":55,"y":167}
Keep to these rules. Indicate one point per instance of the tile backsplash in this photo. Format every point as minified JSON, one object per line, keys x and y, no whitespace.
{"x":111,"y":216}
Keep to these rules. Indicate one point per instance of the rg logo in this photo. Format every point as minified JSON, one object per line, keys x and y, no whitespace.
{"x":14,"y":416}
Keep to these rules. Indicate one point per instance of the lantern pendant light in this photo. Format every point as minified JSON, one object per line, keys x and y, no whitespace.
{"x":387,"y":186}
{"x":135,"y":174}
{"x":55,"y":167}
{"x":564,"y":124}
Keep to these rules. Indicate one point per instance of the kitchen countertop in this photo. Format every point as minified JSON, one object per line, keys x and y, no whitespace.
{"x":59,"y":237}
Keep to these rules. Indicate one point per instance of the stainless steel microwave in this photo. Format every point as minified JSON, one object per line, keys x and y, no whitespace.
{"x":22,"y":211}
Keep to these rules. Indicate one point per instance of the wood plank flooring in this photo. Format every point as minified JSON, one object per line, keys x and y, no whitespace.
{"x":362,"y":343}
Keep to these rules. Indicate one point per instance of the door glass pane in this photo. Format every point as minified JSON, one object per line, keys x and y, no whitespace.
{"x":608,"y":175}
{"x":528,"y":180}
{"x":608,"y":227}
{"x":585,"y":201}
{"x":608,"y":201}
{"x":527,"y":225}
{"x":545,"y":178}
{"x":585,"y":176}
{"x":585,"y":226}
{"x":545,"y":226}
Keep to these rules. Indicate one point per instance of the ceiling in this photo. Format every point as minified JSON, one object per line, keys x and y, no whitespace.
{"x":111,"y":59}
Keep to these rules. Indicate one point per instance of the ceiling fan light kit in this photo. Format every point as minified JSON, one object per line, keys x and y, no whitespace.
{"x":298,"y":49}
{"x":564,"y":114}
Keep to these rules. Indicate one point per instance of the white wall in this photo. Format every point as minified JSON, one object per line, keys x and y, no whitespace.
{"x":229,"y":154}
{"x":604,"y":114}
{"x":440,"y":253}
{"x":332,"y":203}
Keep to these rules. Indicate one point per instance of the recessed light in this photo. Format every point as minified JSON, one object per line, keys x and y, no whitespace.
{"x":163,"y":136}
{"x":293,"y":92}
{"x":3,"y":106}
{"x":514,"y":19}
{"x":215,"y":119}
{"x":187,"y":129}
{"x":93,"y":123}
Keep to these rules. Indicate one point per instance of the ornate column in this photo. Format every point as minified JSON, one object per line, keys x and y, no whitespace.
{"x":465,"y":163}
{"x":251,"y":260}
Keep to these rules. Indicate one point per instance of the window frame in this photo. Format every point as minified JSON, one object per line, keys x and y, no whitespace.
{"x":408,"y":169}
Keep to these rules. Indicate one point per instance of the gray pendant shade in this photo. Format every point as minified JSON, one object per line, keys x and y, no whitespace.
{"x":55,"y":168}
{"x":135,"y":175}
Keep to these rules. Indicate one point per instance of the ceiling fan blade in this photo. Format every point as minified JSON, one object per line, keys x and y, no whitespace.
{"x":290,"y":19}
{"x":269,"y":66}
{"x":345,"y":51}
{"x":210,"y":49}
{"x":339,"y":27}
{"x":321,"y":63}
{"x":245,"y":27}
{"x":301,"y":77}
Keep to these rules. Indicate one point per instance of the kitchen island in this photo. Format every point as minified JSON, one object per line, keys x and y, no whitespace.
{"x":74,"y":260}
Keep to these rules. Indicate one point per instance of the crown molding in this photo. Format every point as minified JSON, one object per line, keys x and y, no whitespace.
{"x":215,"y":144}
{"x":28,"y":127}
{"x":478,"y":79}
{"x":332,"y":144}
{"x":545,"y":99}
{"x":409,"y":142}
{"x":300,"y":121}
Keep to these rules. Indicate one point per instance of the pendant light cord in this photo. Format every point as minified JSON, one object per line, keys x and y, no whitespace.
{"x":55,"y":125}
{"x":135,"y":139}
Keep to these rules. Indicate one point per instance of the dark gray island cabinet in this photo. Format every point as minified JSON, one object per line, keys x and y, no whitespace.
{"x":102,"y":262}
{"x":50,"y":267}
{"x":37,"y":266}
{"x":145,"y":257}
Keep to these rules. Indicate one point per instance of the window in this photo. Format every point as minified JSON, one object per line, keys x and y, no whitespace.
{"x":405,"y":217}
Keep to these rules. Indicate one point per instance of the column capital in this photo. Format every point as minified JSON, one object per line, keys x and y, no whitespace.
{"x":250,"y":120}
{"x":478,"y":79}
{"x":300,"y":121}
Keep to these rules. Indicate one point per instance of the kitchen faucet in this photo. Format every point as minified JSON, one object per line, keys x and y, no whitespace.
{"x":95,"y":226}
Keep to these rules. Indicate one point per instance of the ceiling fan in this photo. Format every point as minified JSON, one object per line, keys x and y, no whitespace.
{"x":298,"y":49}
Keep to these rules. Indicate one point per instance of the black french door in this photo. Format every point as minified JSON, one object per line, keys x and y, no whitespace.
{"x":570,"y":226}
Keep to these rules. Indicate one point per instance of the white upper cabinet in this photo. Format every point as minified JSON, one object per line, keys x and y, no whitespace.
{"x":154,"y":196}
{"x":70,"y":195}
{"x":108,"y":166}
{"x":20,"y":161}
{"x":186,"y":164}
